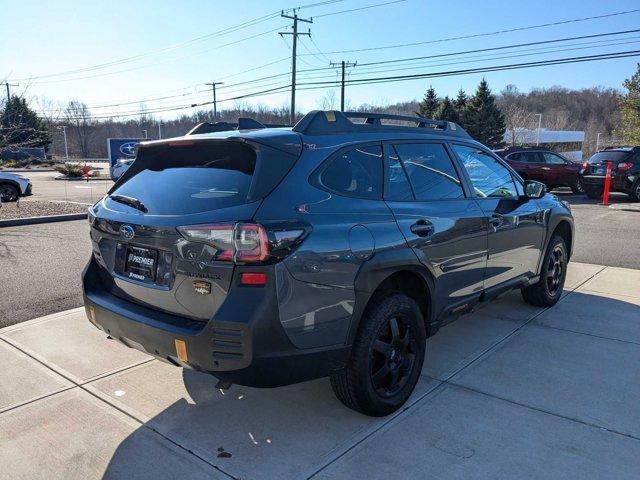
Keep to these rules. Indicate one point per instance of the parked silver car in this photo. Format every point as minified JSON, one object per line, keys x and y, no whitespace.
{"x":13,"y":186}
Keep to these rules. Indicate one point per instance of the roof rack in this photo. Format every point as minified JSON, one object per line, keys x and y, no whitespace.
{"x":320,"y":122}
{"x":243,"y":123}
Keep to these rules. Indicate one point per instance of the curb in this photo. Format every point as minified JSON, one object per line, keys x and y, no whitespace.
{"x":82,"y":179}
{"x":16,"y":222}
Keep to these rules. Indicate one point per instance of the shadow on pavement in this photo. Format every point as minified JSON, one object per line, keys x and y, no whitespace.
{"x":285,"y":432}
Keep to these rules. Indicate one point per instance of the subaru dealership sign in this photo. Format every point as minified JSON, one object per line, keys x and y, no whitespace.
{"x":121,"y":149}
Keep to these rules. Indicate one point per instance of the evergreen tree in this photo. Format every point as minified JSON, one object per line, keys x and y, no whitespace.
{"x":448,"y":112}
{"x":429,"y":105}
{"x":460,"y":103}
{"x":21,"y":127}
{"x":483,"y":119}
{"x":630,"y":110}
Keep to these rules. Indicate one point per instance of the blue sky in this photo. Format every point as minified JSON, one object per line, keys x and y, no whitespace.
{"x":43,"y":38}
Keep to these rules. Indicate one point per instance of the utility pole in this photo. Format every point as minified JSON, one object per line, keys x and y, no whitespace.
{"x":295,"y":18}
{"x":215,"y":108}
{"x":159,"y":129}
{"x":7,"y":84}
{"x":343,"y":65}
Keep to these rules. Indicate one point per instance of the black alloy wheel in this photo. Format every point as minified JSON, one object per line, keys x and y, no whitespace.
{"x":393,"y":356}
{"x":555,"y":270}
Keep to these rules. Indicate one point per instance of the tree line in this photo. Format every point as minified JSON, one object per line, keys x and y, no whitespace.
{"x":613,"y":114}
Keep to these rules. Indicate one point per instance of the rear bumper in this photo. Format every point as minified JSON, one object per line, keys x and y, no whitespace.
{"x":245,"y":345}
{"x":619,"y":183}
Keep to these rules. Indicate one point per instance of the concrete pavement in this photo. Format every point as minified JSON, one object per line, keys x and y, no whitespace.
{"x":510,"y":391}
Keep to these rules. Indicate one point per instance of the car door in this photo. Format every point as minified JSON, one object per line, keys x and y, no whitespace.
{"x":532,"y":165}
{"x":558,"y":170}
{"x":516,"y":224}
{"x":439,"y":220}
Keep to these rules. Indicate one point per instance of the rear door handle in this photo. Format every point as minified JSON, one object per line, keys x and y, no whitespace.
{"x":496,"y":220}
{"x":422,"y":228}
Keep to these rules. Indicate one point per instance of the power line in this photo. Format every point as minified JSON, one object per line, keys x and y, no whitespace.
{"x":397,"y":78}
{"x":359,"y":8}
{"x":371,"y":66}
{"x":559,"y":61}
{"x":518,"y":45}
{"x":218,"y":33}
{"x":486,"y":34}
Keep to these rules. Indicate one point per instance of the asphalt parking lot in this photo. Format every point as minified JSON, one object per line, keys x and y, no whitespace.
{"x":46,"y":188}
{"x":510,"y":391}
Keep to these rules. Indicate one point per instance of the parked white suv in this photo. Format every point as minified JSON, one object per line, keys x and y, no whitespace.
{"x":13,"y":186}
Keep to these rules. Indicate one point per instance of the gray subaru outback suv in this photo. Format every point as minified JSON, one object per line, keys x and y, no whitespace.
{"x":269,"y":256}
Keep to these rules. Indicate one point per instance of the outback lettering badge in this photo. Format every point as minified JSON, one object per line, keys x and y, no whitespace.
{"x":203,"y":288}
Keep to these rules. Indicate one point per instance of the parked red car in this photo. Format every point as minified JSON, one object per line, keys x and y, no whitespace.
{"x":543,"y":165}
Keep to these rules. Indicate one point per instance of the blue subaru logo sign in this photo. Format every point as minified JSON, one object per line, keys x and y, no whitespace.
{"x":128,"y":148}
{"x":127,"y":232}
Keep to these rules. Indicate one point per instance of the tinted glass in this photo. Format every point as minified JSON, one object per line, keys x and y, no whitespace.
{"x":189,"y":179}
{"x":397,"y":181}
{"x":608,"y":156}
{"x":553,"y":159}
{"x":527,"y":157}
{"x":488,"y":177}
{"x":355,"y":173}
{"x":430,"y":171}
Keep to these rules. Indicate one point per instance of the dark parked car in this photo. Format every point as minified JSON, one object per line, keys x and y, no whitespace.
{"x":543,"y":165}
{"x":334,"y":248}
{"x":625,"y":172}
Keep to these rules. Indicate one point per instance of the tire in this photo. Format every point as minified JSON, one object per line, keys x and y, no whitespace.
{"x":594,"y":193}
{"x":390,"y":345}
{"x":578,"y":187}
{"x":635,"y":192}
{"x":9,"y":193}
{"x":548,"y":290}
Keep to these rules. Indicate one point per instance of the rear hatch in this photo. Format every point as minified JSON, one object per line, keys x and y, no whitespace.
{"x":597,"y":163}
{"x":143,"y":256}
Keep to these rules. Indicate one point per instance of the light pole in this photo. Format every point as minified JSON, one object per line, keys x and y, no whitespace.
{"x":66,"y":149}
{"x":145,"y":134}
{"x":539,"y":115}
{"x":159,"y":130}
{"x":597,"y":141}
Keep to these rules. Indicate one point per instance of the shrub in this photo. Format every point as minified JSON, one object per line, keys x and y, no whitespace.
{"x":72,"y":170}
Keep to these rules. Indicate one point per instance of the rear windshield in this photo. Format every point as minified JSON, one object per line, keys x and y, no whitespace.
{"x":175,"y":180}
{"x":607,"y":156}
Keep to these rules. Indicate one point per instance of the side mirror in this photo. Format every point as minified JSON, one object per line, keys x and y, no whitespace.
{"x":533,"y":189}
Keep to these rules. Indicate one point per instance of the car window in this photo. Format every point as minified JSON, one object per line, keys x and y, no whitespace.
{"x":488,"y":177}
{"x":430,"y":171}
{"x":355,"y":173}
{"x":553,"y":159}
{"x":186,"y":179}
{"x":398,"y":187}
{"x":526,"y":157}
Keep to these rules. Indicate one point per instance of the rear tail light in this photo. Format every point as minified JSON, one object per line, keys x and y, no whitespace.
{"x":585,"y":165}
{"x":244,"y":242}
{"x":624,"y":166}
{"x":251,"y":278}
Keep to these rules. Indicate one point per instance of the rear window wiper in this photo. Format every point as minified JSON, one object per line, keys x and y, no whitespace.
{"x":132,"y":202}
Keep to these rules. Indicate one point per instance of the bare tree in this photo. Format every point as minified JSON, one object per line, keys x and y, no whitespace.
{"x":79,"y":118}
{"x":328,"y":100}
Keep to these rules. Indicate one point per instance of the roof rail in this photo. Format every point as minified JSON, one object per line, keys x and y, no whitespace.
{"x":243,"y":123}
{"x":319,"y":122}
